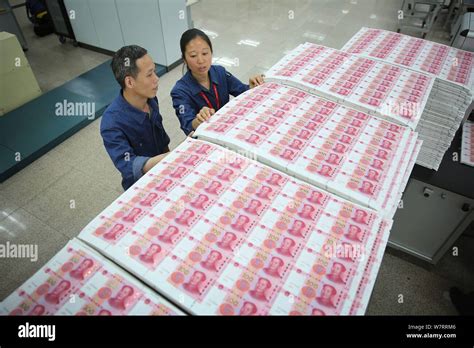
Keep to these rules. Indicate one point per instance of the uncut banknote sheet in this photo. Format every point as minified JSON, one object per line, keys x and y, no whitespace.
{"x":381,"y":89}
{"x":431,"y":106}
{"x":221,"y":234}
{"x":360,"y":157}
{"x":444,"y":62}
{"x":452,"y":90}
{"x":467,"y":144}
{"x":79,"y":281}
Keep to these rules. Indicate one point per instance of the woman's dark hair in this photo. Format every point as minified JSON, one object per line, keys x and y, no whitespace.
{"x":189,"y":35}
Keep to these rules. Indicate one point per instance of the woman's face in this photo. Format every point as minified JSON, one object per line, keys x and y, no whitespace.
{"x":198,"y":56}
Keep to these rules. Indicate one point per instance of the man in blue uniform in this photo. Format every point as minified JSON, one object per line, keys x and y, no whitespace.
{"x":132,"y":127}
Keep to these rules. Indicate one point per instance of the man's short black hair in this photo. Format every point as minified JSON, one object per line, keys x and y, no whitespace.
{"x":124,"y":62}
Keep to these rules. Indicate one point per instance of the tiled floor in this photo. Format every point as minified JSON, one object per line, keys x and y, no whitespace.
{"x":35,"y":204}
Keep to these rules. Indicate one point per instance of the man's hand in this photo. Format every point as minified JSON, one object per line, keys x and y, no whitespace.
{"x":256,"y":80}
{"x":203,"y":116}
{"x":153,"y":161}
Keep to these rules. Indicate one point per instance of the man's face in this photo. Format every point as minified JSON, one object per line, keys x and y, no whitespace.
{"x":214,"y":256}
{"x":254,"y":204}
{"x":327,"y":292}
{"x":336,"y":269}
{"x":38,"y":310}
{"x":307,"y":209}
{"x":201,"y":199}
{"x":262,"y":284}
{"x":298,"y":225}
{"x":171,"y":231}
{"x":275,"y":178}
{"x":124,"y":293}
{"x":360,"y":215}
{"x":187,"y":214}
{"x":154,"y":248}
{"x":353,"y":230}
{"x":367,"y":186}
{"x":145,"y":84}
{"x":151,"y":196}
{"x":275,"y":263}
{"x":325,"y":170}
{"x":228,"y":238}
{"x":197,"y":278}
{"x":304,"y":133}
{"x":64,"y":285}
{"x":242,"y":220}
{"x":286,"y":243}
{"x":247,"y":309}
{"x":85,"y":264}
{"x":117,"y":228}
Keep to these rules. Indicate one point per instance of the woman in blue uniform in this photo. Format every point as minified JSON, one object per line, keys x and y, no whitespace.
{"x":205,"y":88}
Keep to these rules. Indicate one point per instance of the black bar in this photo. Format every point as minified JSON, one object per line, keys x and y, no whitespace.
{"x":258,"y":330}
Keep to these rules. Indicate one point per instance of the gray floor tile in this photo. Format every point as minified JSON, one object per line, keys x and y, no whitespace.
{"x":22,"y":228}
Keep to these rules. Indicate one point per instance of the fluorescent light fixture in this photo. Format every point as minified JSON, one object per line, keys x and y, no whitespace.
{"x":345,"y":11}
{"x":248,"y":43}
{"x":314,"y":36}
{"x":211,"y":34}
{"x":226,"y":61}
{"x":373,"y":16}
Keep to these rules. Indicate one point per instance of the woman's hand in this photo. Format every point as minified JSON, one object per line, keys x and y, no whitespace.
{"x":256,"y":80}
{"x":203,"y":116}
